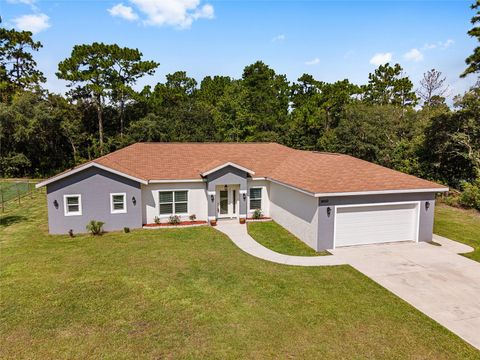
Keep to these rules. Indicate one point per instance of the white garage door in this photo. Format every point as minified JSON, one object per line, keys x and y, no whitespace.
{"x":370,"y":224}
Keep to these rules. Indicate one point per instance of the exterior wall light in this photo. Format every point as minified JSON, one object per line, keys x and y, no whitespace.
{"x":329,"y":211}
{"x":244,"y":196}
{"x":55,"y":203}
{"x":212,"y":197}
{"x":134,"y":201}
{"x":427,"y":205}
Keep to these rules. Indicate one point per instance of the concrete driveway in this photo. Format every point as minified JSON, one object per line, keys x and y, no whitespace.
{"x":434,"y":279}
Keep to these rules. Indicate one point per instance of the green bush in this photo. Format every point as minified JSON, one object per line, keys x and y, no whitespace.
{"x":257,"y":214}
{"x":126,"y":230}
{"x":470,"y":196}
{"x":95,"y":227}
{"x":174,"y":220}
{"x":156,"y":220}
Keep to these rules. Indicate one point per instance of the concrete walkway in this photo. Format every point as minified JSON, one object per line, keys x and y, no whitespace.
{"x":239,"y":235}
{"x":434,"y":279}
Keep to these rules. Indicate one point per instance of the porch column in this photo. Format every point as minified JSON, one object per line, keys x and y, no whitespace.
{"x":211,"y":198}
{"x":242,"y":202}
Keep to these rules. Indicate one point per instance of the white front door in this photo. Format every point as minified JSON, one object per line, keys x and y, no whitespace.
{"x":227,"y":201}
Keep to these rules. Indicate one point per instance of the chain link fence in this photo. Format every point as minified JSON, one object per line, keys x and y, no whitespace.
{"x":15,"y":192}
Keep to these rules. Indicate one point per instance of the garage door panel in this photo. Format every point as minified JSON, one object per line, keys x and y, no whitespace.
{"x":375,"y":224}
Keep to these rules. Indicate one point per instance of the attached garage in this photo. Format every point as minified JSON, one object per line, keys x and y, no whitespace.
{"x":376,"y":223}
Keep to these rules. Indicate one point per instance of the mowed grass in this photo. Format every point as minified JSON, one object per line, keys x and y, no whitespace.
{"x":190,"y":294}
{"x":277,"y":238}
{"x":460,"y":225}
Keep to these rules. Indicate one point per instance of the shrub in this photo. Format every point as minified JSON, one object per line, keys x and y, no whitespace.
{"x":70,"y":232}
{"x":156,"y":220}
{"x":257,"y":214}
{"x":126,"y":230}
{"x":470,"y":196}
{"x":174,"y":220}
{"x":193,"y":217}
{"x":95,"y":227}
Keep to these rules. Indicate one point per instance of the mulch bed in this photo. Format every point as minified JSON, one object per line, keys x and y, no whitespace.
{"x":262,"y":218}
{"x":182,"y":223}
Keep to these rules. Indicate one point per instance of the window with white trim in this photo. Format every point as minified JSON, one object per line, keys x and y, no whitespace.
{"x":118,"y":203}
{"x":255,"y":198}
{"x":173,"y":202}
{"x":72,"y":204}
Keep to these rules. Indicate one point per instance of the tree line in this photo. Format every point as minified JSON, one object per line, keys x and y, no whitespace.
{"x":388,"y":121}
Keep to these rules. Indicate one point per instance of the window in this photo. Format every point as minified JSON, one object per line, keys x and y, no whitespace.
{"x":255,"y":198}
{"x":72,"y":205}
{"x":173,"y":202}
{"x":118,"y":203}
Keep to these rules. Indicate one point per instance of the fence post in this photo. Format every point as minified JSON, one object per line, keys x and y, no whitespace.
{"x":18,"y":193}
{"x":1,"y":198}
{"x":30,"y":189}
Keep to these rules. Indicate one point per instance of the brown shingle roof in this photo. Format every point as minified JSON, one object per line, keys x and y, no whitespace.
{"x":310,"y":171}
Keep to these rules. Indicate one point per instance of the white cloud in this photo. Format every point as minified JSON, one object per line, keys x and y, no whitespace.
{"x":439,"y":44}
{"x":381,"y":58}
{"x":33,"y":22}
{"x":413,"y":55}
{"x":315,"y":61}
{"x":280,"y":37}
{"x":447,"y":43}
{"x":26,"y":2}
{"x":124,"y":12}
{"x":177,"y":13}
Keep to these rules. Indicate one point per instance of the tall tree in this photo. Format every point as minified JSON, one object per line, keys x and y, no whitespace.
{"x":100,"y":72}
{"x":18,"y":69}
{"x":473,"y":61}
{"x":89,"y":68}
{"x":266,"y":101}
{"x":387,"y":86}
{"x":128,"y":67}
{"x":432,"y":88}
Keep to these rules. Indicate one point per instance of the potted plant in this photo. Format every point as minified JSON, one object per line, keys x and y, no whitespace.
{"x":213,"y":222}
{"x":242,"y":220}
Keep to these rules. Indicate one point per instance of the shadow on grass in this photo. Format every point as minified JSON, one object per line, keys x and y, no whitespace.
{"x":7,"y":220}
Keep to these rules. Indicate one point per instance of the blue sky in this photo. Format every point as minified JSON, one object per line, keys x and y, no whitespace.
{"x":330,"y":40}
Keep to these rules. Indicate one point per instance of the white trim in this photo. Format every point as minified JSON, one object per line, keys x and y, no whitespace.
{"x":86,"y":166}
{"x":65,"y":207}
{"x":250,"y":210}
{"x":259,"y":178}
{"x":417,"y":203}
{"x":208,"y":172}
{"x":124,"y":210}
{"x":161,"y":216}
{"x":241,"y":192}
{"x":163,"y":181}
{"x":381,"y":192}
{"x":211,"y":192}
{"x":212,"y":218}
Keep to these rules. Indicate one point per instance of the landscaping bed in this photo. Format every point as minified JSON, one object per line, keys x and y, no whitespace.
{"x":180,"y":224}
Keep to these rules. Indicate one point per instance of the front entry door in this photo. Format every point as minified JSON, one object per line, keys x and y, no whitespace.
{"x":227,"y":201}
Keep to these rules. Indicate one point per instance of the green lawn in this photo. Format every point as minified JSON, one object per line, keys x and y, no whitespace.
{"x":277,"y":238}
{"x":191,"y":293}
{"x":460,"y":225}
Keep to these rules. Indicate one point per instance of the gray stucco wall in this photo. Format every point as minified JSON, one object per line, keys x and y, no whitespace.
{"x":95,"y":186}
{"x":326,"y":223}
{"x":228,"y":175}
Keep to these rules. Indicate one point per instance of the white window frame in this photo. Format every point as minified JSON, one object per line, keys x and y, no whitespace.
{"x":65,"y":205}
{"x":260,"y":198}
{"x":173,"y":203}
{"x":112,"y":209}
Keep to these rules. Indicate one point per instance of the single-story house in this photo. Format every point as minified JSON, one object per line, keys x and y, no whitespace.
{"x":327,"y":200}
